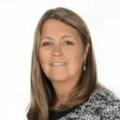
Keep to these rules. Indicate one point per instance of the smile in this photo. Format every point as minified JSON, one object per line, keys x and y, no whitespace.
{"x":58,"y":64}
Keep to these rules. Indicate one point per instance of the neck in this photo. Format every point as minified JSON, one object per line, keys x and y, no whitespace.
{"x":63,"y":90}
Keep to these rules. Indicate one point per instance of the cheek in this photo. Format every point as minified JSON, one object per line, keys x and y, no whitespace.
{"x":44,"y":63}
{"x":44,"y":59}
{"x":43,"y":56}
{"x":76,"y":55}
{"x":76,"y":59}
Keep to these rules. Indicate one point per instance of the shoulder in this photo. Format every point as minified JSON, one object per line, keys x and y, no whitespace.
{"x":102,"y":104}
{"x":105,"y":104}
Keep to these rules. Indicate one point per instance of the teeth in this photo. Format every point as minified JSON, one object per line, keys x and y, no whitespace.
{"x":58,"y":64}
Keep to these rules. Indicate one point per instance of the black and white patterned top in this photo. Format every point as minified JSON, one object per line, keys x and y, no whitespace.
{"x":102,"y":105}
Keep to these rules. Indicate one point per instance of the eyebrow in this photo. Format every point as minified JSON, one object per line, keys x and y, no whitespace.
{"x":50,"y":38}
{"x":47,"y":38}
{"x":66,"y":36}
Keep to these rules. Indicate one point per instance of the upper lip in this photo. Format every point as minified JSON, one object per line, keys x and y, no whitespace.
{"x":55,"y":62}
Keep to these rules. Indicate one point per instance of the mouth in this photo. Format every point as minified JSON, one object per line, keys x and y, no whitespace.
{"x":58,"y":64}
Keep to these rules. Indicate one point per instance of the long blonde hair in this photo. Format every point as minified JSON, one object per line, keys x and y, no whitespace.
{"x":42,"y":92}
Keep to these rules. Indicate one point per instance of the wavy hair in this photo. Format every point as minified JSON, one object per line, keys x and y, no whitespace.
{"x":43,"y":96}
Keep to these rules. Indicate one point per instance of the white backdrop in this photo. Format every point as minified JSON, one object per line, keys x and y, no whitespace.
{"x":18,"y":19}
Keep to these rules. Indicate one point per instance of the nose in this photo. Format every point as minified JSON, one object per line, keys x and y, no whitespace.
{"x":57,"y":50}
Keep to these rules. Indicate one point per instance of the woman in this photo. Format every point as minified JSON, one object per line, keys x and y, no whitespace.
{"x":63,"y":74}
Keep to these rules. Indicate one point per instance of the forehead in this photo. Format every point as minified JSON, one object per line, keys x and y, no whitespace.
{"x":57,"y":27}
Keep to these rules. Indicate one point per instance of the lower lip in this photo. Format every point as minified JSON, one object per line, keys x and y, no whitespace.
{"x":62,"y":65}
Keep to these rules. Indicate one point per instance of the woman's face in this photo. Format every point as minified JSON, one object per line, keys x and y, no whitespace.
{"x":61,"y":52}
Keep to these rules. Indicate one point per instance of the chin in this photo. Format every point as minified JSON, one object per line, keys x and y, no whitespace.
{"x":59,"y":79}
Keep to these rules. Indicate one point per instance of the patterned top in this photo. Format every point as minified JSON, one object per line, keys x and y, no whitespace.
{"x":102,"y":105}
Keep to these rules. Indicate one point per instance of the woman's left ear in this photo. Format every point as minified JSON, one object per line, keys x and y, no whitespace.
{"x":86,"y":51}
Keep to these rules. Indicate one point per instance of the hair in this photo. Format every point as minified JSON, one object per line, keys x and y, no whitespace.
{"x":42,"y":92}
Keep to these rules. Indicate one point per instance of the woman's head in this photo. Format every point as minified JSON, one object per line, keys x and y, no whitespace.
{"x":62,"y":51}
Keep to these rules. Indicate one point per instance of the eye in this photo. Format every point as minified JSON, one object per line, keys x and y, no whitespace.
{"x":45,"y":44}
{"x":68,"y":42}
